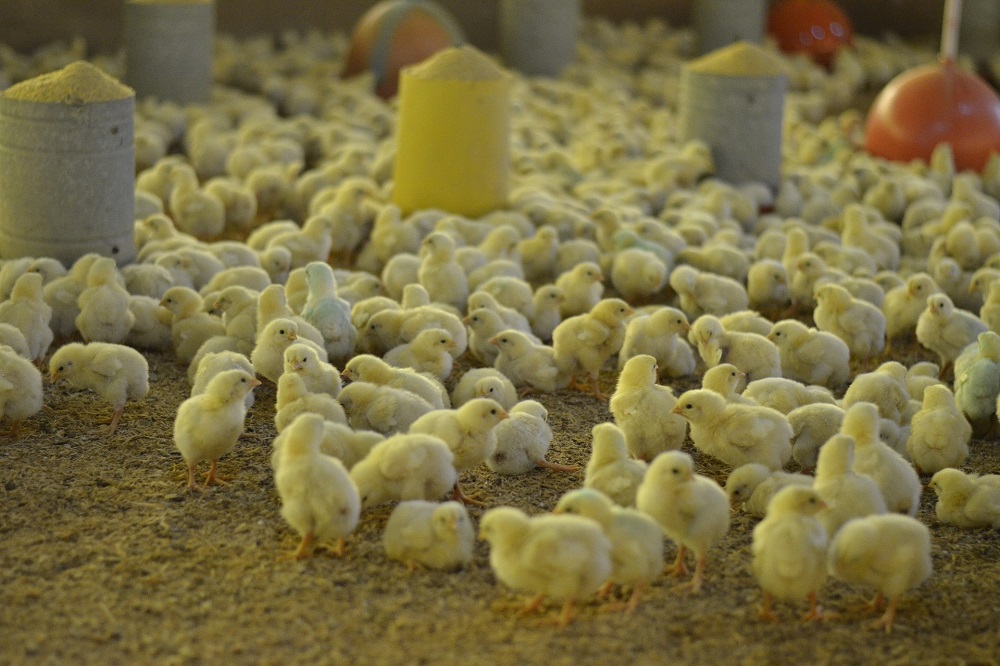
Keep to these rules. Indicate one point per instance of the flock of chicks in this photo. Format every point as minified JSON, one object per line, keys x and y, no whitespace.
{"x":706,"y":279}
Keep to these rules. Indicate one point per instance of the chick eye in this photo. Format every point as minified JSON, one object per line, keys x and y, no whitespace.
{"x":60,"y":368}
{"x":689,"y":406}
{"x":243,"y":380}
{"x":281,"y":331}
{"x":675,"y":470}
{"x":492,"y":411}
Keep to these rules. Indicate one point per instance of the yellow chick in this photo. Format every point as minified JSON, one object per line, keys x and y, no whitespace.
{"x":468,"y":431}
{"x":563,"y":557}
{"x":847,"y":493}
{"x":753,"y":354}
{"x":692,"y":510}
{"x":510,"y":317}
{"x":767,"y":287}
{"x":434,"y":535}
{"x":902,"y":306}
{"x":384,"y":409}
{"x":812,"y":425}
{"x":405,"y":467}
{"x":538,"y":254}
{"x":339,"y":441}
{"x":885,"y":388}
{"x":20,"y":390}
{"x":661,"y":334}
{"x":390,"y":328}
{"x":610,"y":470}
{"x":12,"y":337}
{"x":273,"y":304}
{"x":967,"y":500}
{"x":483,"y":325}
{"x":294,"y":398}
{"x":213,"y":363}
{"x":947,"y":330}
{"x":191,"y":325}
{"x":977,"y":381}
{"x":789,"y":551}
{"x":440,"y":274}
{"x":889,"y":552}
{"x":642,"y":409}
{"x":638,"y":275}
{"x":318,"y":498}
{"x":427,"y":352}
{"x":895,"y":477}
{"x":115,"y":372}
{"x":706,"y":293}
{"x":528,"y":365}
{"x":310,"y":242}
{"x":939,"y":433}
{"x":372,"y":369}
{"x":484,"y":383}
{"x":209,"y":424}
{"x":151,"y":328}
{"x":919,"y":376}
{"x":809,"y":355}
{"x":319,"y":376}
{"x":268,"y":356}
{"x":636,"y":540}
{"x":752,"y":486}
{"x":717,"y":257}
{"x":523,"y":440}
{"x":330,"y":314}
{"x":27,"y":311}
{"x":582,"y":288}
{"x":784,"y":395}
{"x":546,"y":310}
{"x":104,"y":312}
{"x":238,"y":308}
{"x":858,"y":323}
{"x":736,"y":433}
{"x":585,"y":342}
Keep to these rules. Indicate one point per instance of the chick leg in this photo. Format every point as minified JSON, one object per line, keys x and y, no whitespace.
{"x":192,"y":486}
{"x":678,"y":568}
{"x":694,"y":585}
{"x":604,"y":590}
{"x":816,"y":612}
{"x":338,"y":549}
{"x":211,"y":478}
{"x":303,"y":550}
{"x":888,"y":617}
{"x":115,"y":418}
{"x":556,"y":467}
{"x":12,"y":433}
{"x":533,"y":605}
{"x":567,"y":613}
{"x":767,"y":612}
{"x":459,"y":496}
{"x":597,"y":387}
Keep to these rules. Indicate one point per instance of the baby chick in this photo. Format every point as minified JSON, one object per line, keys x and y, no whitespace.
{"x":381,"y":408}
{"x":427,"y":352}
{"x":858,"y":323}
{"x":967,"y":500}
{"x":889,"y":552}
{"x":638,"y":275}
{"x":523,"y":440}
{"x":528,"y":365}
{"x":847,"y":493}
{"x":213,"y":363}
{"x":582,"y":288}
{"x":642,"y":409}
{"x":434,"y":535}
{"x":208,"y":425}
{"x":784,"y":395}
{"x":636,"y":540}
{"x":755,"y":355}
{"x":468,"y":432}
{"x":29,"y":313}
{"x":294,"y":398}
{"x":20,"y":390}
{"x":405,"y":467}
{"x":585,"y":342}
{"x":484,"y":383}
{"x":610,"y":470}
{"x":707,"y":293}
{"x":902,"y":306}
{"x":104,"y":312}
{"x":895,"y":477}
{"x":330,"y":314}
{"x":809,"y":355}
{"x":661,"y":334}
{"x":268,"y":356}
{"x":789,"y":550}
{"x":115,"y":372}
{"x":546,"y":313}
{"x":752,"y":486}
{"x":939,"y":433}
{"x":318,"y":498}
{"x":319,"y":376}
{"x":812,"y":425}
{"x":885,"y":388}
{"x":372,"y":369}
{"x":439,"y":273}
{"x":946,"y":330}
{"x":692,"y":509}
{"x":191,"y":325}
{"x":977,"y":381}
{"x":735,"y":433}
{"x":563,"y":557}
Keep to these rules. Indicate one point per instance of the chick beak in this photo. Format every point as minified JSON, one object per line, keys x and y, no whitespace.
{"x":345,"y":375}
{"x":677,"y":409}
{"x":629,"y":312}
{"x":688,"y":474}
{"x":451,"y":345}
{"x":54,"y":377}
{"x":466,"y":319}
{"x":297,"y":367}
{"x":685,"y":328}
{"x":254,"y":383}
{"x":292,"y":336}
{"x":495,"y":341}
{"x":822,"y":506}
{"x":971,"y":289}
{"x":599,"y":277}
{"x":504,"y":415}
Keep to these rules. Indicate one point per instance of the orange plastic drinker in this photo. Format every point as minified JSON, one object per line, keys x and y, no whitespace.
{"x":936,"y":103}
{"x":815,"y":27}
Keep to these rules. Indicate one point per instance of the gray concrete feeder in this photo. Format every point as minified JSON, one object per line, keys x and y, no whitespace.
{"x":538,"y":37}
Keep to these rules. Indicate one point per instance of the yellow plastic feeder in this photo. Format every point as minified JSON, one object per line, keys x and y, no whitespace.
{"x":453,"y":134}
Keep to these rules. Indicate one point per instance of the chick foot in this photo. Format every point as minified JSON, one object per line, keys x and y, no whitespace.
{"x":303,"y":550}
{"x":678,"y":568}
{"x":816,"y":612}
{"x":212,"y":478}
{"x":459,"y":496}
{"x":767,"y":611}
{"x":556,"y":467}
